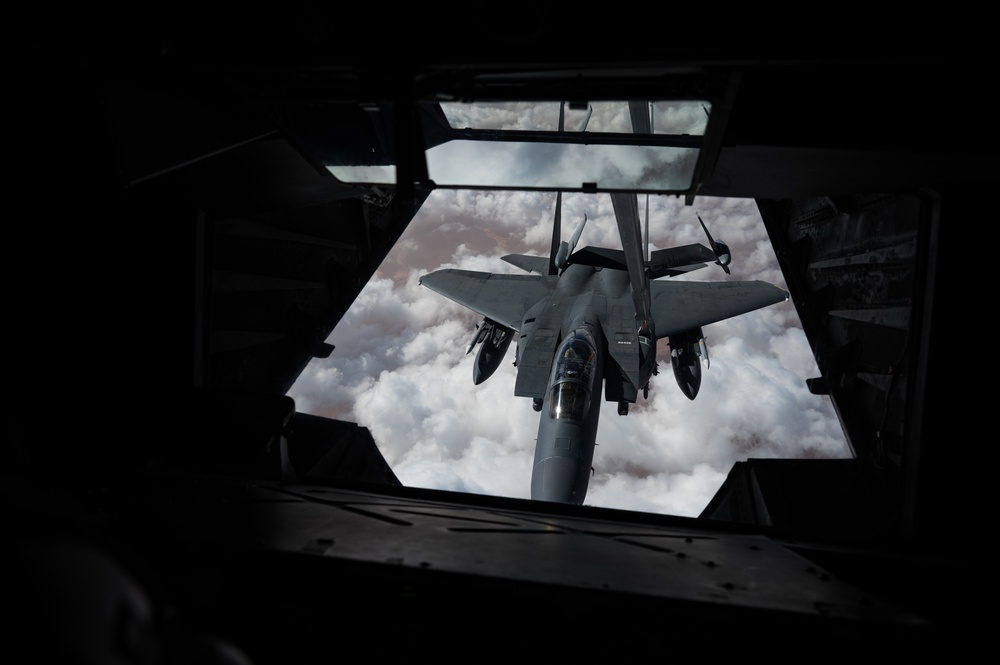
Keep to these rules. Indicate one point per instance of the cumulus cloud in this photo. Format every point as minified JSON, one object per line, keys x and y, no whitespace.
{"x":400,"y":368}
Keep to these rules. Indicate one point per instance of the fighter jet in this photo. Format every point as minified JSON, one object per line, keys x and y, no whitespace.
{"x":589,"y":320}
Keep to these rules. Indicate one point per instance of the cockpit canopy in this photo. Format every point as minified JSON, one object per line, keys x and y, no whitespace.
{"x":573,"y":377}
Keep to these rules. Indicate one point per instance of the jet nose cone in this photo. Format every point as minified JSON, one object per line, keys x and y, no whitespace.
{"x":559,"y":479}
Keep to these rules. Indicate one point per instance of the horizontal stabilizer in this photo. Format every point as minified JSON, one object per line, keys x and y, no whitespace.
{"x":673,"y":272}
{"x":679,"y":260}
{"x":600,"y":257}
{"x":663,"y":262}
{"x":536,"y":264}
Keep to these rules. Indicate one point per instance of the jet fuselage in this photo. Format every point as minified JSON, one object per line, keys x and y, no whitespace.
{"x":567,"y":428}
{"x":570,"y":409}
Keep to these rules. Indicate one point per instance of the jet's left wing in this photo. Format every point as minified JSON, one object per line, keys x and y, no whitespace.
{"x":503,"y":298}
{"x":682,"y":306}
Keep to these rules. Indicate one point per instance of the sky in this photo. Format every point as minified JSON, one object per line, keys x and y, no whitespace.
{"x":400,"y":369}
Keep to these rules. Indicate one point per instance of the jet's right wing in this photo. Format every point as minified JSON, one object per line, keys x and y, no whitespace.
{"x":503,"y":298}
{"x":681,"y":306}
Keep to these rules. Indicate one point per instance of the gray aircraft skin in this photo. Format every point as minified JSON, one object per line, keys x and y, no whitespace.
{"x":591,"y":319}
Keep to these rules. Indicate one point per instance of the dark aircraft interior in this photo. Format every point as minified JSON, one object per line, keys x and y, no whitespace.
{"x":179,"y":253}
